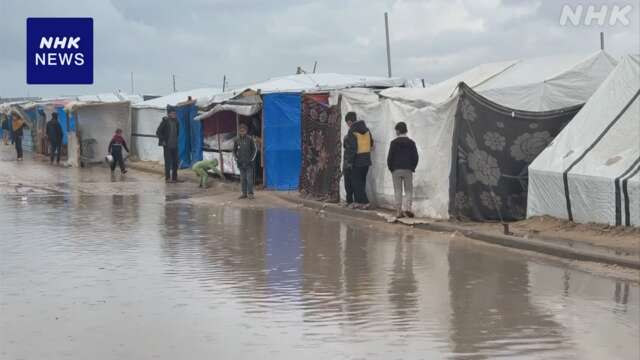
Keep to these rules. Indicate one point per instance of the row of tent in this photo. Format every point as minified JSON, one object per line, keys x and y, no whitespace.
{"x":502,"y":141}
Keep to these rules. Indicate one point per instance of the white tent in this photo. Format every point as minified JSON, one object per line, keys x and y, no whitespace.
{"x":591,"y":172}
{"x":96,"y":123}
{"x":146,"y":117}
{"x":530,"y":85}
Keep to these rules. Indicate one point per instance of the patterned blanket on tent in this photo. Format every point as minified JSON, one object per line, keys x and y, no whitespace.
{"x":492,"y":149}
{"x":321,"y":149}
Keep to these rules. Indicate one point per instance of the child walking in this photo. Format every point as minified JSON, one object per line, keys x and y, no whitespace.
{"x":115,"y":149}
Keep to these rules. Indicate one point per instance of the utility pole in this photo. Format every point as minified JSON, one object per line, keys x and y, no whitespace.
{"x":132,"y":88}
{"x":224,"y":83}
{"x":315,"y":66}
{"x":386,"y":29}
{"x":174,"y":82}
{"x":602,"y":41}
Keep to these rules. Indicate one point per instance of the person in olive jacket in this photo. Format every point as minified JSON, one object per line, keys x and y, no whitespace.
{"x":402,"y":161}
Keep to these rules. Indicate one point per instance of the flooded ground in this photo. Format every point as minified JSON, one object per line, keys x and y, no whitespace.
{"x":99,"y":268}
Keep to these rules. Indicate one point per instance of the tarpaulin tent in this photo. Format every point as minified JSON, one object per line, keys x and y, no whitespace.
{"x":282,"y":140}
{"x":190,"y":135}
{"x":147,"y":115}
{"x":96,"y":123}
{"x":591,"y":172}
{"x":536,"y":85}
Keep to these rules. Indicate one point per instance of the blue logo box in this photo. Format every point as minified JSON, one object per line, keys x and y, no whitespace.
{"x":59,"y":51}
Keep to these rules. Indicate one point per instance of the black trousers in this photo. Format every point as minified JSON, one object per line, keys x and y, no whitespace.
{"x":18,"y":142}
{"x":56,"y":149}
{"x":118,"y":159}
{"x":348,"y":187}
{"x":170,"y":163}
{"x":359,"y":184}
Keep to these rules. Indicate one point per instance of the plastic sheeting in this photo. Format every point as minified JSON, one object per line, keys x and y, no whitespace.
{"x":431,"y":127}
{"x":190,"y":136}
{"x":97,"y":123}
{"x":282,"y":140}
{"x":591,"y":172}
{"x":537,"y":84}
{"x":144,"y":123}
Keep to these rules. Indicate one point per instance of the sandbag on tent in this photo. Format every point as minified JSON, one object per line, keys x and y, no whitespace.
{"x":282,"y":140}
{"x":591,"y":172}
{"x":190,"y":135}
{"x":321,"y":143}
{"x":492,"y":147}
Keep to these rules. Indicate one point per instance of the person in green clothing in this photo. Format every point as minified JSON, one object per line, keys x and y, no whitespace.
{"x":202,"y":168}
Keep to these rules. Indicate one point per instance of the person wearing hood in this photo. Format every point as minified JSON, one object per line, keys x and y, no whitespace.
{"x":54,"y":134}
{"x":115,"y":149}
{"x":358,"y":144}
{"x":167,"y":134}
{"x":18,"y":125}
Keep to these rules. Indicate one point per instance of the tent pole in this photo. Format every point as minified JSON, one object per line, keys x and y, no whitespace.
{"x":386,"y":30}
{"x":220,"y":149}
{"x":602,"y":41}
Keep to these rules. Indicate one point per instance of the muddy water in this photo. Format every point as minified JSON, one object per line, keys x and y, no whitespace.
{"x":141,"y":276}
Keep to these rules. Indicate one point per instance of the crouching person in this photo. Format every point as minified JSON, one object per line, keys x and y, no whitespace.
{"x":402,"y":161}
{"x":202,"y":169}
{"x":245,"y":151}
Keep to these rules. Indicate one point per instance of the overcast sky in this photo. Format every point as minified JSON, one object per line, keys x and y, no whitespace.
{"x":252,"y":40}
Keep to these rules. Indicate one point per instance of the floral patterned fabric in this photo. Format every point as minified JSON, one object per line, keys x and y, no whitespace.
{"x":321,"y":149}
{"x":493,"y":147}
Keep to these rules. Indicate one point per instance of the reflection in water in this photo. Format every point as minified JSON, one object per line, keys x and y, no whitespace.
{"x":147,"y":275}
{"x":491,"y":309}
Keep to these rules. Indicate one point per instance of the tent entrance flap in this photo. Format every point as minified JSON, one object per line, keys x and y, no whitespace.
{"x":190,"y":136}
{"x":282,"y":140}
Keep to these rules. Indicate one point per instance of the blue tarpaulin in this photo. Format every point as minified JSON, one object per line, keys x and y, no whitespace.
{"x":282,"y":140}
{"x":62,"y":119}
{"x":190,"y":136}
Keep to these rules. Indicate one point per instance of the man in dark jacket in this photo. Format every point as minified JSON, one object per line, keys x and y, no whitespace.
{"x":54,"y":134}
{"x":167,"y":134}
{"x":245,"y":151}
{"x":357,"y":156}
{"x":402,"y":161}
{"x":18,"y":125}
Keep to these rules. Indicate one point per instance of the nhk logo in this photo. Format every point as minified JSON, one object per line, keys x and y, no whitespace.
{"x":593,"y":15}
{"x":60,"y":51}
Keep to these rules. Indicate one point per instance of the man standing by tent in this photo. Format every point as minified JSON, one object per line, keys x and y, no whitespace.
{"x":167,"y":133}
{"x":245,"y":151}
{"x":54,"y":134}
{"x":18,"y":126}
{"x":402,"y":161}
{"x":358,"y":145}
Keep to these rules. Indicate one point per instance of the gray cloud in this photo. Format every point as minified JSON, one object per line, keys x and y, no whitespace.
{"x":251,"y":40}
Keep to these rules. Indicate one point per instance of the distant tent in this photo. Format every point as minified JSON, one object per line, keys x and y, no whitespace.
{"x":525,"y":94}
{"x":591,"y":171}
{"x":96,"y":123}
{"x":146,"y":117}
{"x":281,"y":119}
